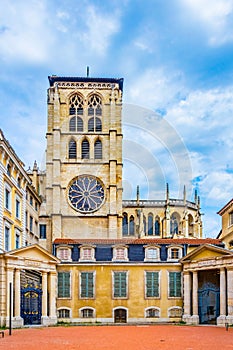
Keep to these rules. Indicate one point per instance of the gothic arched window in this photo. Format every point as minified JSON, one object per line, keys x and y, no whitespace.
{"x":98,"y":149}
{"x":95,"y":111}
{"x":76,"y":109}
{"x":72,"y":149}
{"x":131,"y":225}
{"x":157,"y":226}
{"x":85,"y":149}
{"x":125,"y":224}
{"x":150,"y":224}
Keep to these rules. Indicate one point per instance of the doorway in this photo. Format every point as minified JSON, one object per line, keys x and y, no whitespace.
{"x":120,"y":316}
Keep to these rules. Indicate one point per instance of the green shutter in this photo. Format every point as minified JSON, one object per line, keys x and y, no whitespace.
{"x":63,"y":285}
{"x":87,"y":285}
{"x":174,"y":284}
{"x":152,"y":284}
{"x":120,"y":287}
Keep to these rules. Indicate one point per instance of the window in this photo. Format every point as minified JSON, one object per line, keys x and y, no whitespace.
{"x":150,"y":224}
{"x":120,"y":253}
{"x":76,"y":124}
{"x":157,"y":227}
{"x":125,"y":224}
{"x":8,"y":170}
{"x":7,"y":198}
{"x":85,"y":149}
{"x":42,"y":231}
{"x":72,"y":149}
{"x":87,"y":285}
{"x":63,"y":284}
{"x":98,"y":149}
{"x":175,"y":284}
{"x":131,"y":225}
{"x":36,"y":206}
{"x":26,"y":219}
{"x":64,"y":254}
{"x":17,"y":208}
{"x":174,"y":253}
{"x":120,"y":284}
{"x":174,"y":224}
{"x":63,"y":313}
{"x":19,"y":182}
{"x":95,"y":111}
{"x":175,"y":312}
{"x":87,"y":253}
{"x":152,"y":312}
{"x":151,"y":253}
{"x":87,"y":313}
{"x":76,"y":105}
{"x":31,"y":200}
{"x":31,"y":224}
{"x":7,"y":238}
{"x":17,"y":240}
{"x":231,"y":219}
{"x":152,"y":284}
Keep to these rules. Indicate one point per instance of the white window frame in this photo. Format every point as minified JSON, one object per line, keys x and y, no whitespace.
{"x":18,"y":233}
{"x":9,"y":189}
{"x":64,"y":253}
{"x":169,"y":253}
{"x":150,"y":248}
{"x":83,"y":256}
{"x":8,"y":226}
{"x":64,"y":308}
{"x":84,"y":308}
{"x":18,"y":208}
{"x":154,"y":308}
{"x":117,"y":256}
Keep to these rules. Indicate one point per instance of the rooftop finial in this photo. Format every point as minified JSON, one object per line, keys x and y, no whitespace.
{"x":167,"y":192}
{"x":137,"y":194}
{"x":87,"y":71}
{"x":184,"y":194}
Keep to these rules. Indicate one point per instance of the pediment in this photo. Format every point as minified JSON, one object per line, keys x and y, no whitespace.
{"x":34,"y":252}
{"x":206,"y":251}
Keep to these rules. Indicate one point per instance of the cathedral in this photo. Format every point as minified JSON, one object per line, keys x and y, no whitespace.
{"x":73,"y":251}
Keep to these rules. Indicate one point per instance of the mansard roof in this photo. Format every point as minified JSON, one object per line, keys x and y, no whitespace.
{"x":189,"y":241}
{"x":54,"y":78}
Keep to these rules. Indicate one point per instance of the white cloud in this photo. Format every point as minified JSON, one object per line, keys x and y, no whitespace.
{"x":100,"y":28}
{"x":24,"y":32}
{"x":216,"y":16}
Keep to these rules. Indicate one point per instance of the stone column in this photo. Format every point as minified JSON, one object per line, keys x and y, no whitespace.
{"x":17,"y":321}
{"x":229,"y":317}
{"x":221,"y":320}
{"x":195,"y":317}
{"x":44,"y":298}
{"x":187,"y":289}
{"x":9,"y":279}
{"x":17,"y":293}
{"x":52,"y":298}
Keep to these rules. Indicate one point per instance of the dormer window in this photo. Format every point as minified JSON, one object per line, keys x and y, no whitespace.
{"x":64,"y":253}
{"x":120,"y":253}
{"x":152,"y":253}
{"x":87,"y":253}
{"x":174,"y":253}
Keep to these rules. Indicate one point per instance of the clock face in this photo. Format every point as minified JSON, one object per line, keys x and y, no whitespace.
{"x":86,"y":194}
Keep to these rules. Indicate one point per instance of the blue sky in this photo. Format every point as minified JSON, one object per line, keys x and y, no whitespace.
{"x":176,"y":60}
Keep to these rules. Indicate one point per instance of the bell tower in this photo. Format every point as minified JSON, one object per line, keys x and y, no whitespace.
{"x":83,"y":196}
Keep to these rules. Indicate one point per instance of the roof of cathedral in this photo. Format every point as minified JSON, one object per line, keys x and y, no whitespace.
{"x":55,"y":78}
{"x":190,"y":241}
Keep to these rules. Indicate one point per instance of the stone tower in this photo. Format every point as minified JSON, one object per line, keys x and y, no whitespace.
{"x":83,"y":189}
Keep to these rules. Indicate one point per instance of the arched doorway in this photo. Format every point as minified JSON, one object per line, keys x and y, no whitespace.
{"x":120,"y":316}
{"x":208,"y":297}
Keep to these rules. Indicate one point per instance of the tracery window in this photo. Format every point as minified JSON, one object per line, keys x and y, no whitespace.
{"x":157,"y":227}
{"x":95,"y":112}
{"x":76,"y":110}
{"x":174,"y":224}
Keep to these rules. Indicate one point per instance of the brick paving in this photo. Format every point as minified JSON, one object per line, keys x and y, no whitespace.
{"x":153,"y":337}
